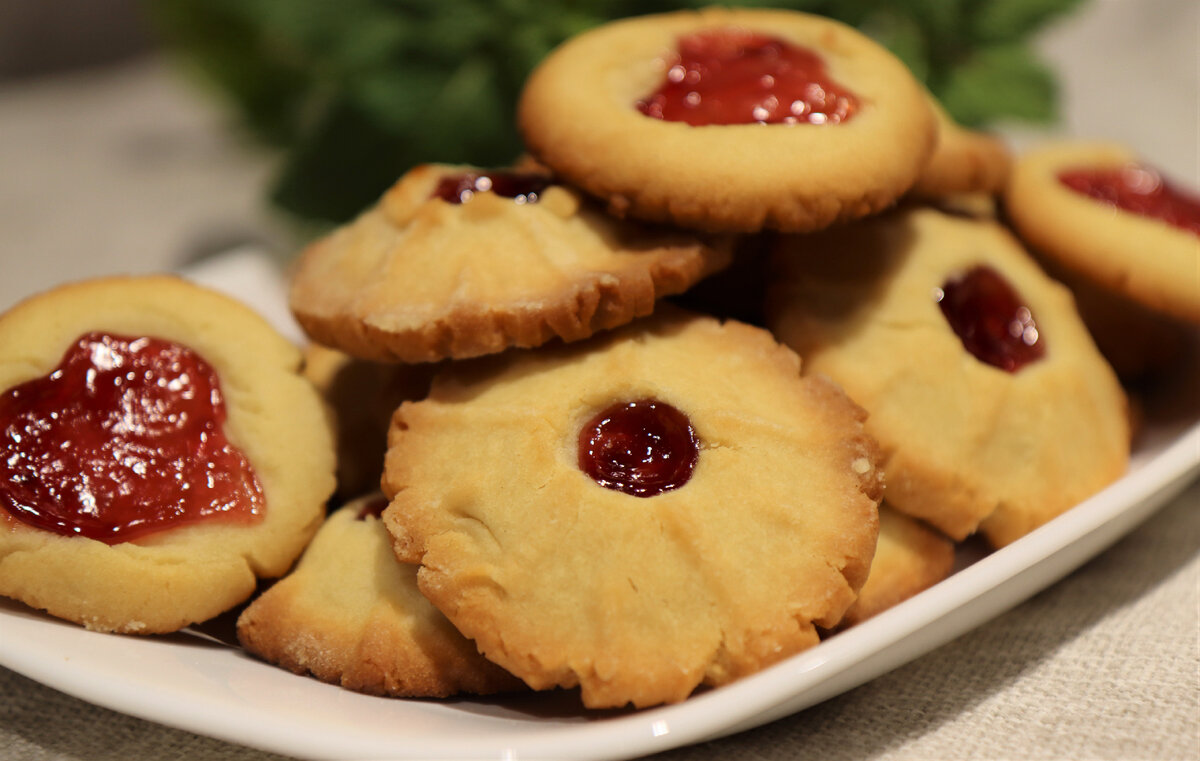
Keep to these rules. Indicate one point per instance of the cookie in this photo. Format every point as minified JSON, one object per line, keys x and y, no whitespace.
{"x":660,"y":507}
{"x":160,"y":452}
{"x":909,"y":558}
{"x":730,"y":119}
{"x":350,"y":614}
{"x":989,"y":398}
{"x":964,"y":161}
{"x":455,"y":262}
{"x":969,"y":205}
{"x":362,"y":396}
{"x":1091,"y":208}
{"x":1142,"y":344}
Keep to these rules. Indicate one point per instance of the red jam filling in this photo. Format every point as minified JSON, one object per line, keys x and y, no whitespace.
{"x":522,"y":187}
{"x":642,"y":448}
{"x":123,"y":439}
{"x":732,"y":76}
{"x":987,"y":314}
{"x":1138,"y":190}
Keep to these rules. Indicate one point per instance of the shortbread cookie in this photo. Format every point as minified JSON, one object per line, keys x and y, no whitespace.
{"x":458,"y":262}
{"x":964,"y":161}
{"x":970,"y":205}
{"x":910,"y":558}
{"x":1096,"y":210}
{"x":1141,"y":344}
{"x":362,"y":396}
{"x":160,"y":452}
{"x":661,"y":507}
{"x":730,"y":119}
{"x":350,"y":614}
{"x":983,"y":387}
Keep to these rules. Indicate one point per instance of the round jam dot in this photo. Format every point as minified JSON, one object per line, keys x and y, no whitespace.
{"x":732,"y":76}
{"x":642,"y":448}
{"x":1138,"y":190}
{"x":123,"y":439}
{"x":522,"y":187}
{"x":987,"y":314}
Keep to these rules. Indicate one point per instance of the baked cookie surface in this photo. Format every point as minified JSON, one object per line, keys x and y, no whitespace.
{"x":579,"y":114}
{"x":966,"y":442}
{"x":964,"y":161}
{"x":1143,"y":258}
{"x":361,"y":397}
{"x":637,"y":599}
{"x":419,"y":278}
{"x":155,"y":568}
{"x":351,"y":614}
{"x":1142,"y":344}
{"x":909,"y":558}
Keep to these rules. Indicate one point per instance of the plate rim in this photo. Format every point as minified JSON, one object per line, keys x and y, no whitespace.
{"x":837,"y":664}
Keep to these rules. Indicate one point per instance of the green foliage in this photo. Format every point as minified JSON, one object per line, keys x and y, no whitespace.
{"x":999,"y":80}
{"x":355,"y":92}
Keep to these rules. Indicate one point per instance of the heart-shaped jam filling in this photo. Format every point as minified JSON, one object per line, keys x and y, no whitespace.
{"x":522,"y":187}
{"x":733,"y":76}
{"x":1137,"y":190}
{"x":123,"y":439}
{"x":990,"y":318}
{"x":642,"y":448}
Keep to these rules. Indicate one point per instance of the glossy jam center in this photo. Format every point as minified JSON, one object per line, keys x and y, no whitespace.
{"x":1138,"y":190}
{"x":732,"y":76}
{"x":987,"y":314}
{"x":643,"y":448}
{"x":522,"y":187}
{"x":124,"y":438}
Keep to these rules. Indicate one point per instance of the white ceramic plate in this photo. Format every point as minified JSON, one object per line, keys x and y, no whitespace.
{"x":194,"y":680}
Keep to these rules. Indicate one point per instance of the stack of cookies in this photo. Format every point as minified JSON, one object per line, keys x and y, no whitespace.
{"x":730,"y":361}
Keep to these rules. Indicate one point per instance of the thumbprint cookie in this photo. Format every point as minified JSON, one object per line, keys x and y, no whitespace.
{"x":730,"y":119}
{"x":160,"y":453}
{"x":457,"y":262}
{"x":1096,"y":209}
{"x":993,"y":406}
{"x":660,"y":507}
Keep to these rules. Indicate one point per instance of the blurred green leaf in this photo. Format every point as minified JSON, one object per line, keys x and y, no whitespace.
{"x":338,"y":168}
{"x":1014,"y":20}
{"x":397,"y":99}
{"x":941,"y":19}
{"x":1003,"y":81}
{"x":356,"y":92}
